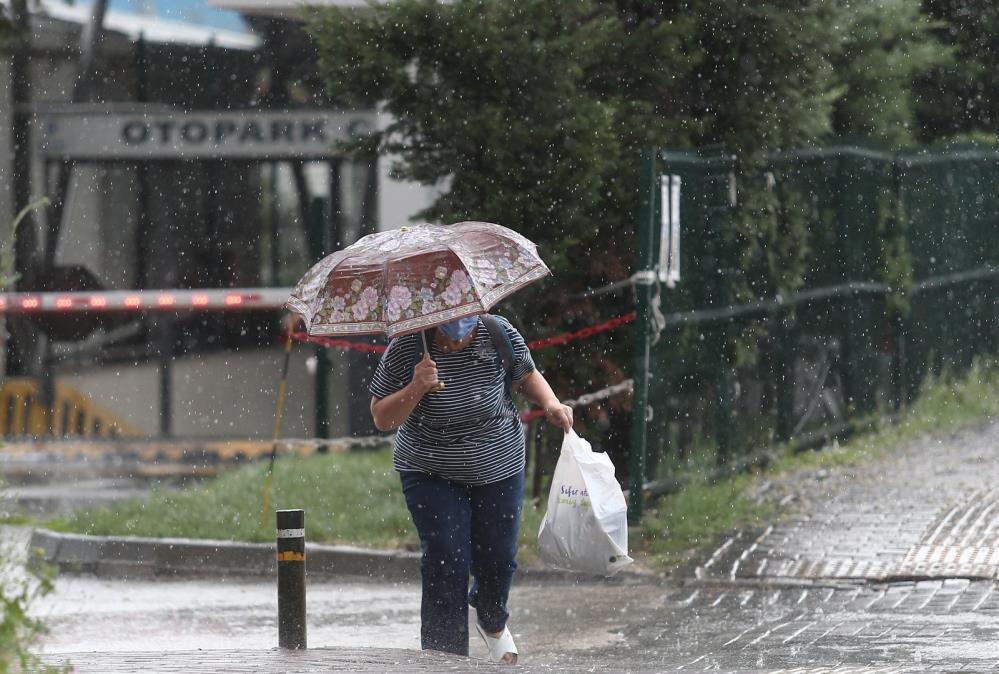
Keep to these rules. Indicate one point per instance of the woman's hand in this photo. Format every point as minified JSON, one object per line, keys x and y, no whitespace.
{"x":425,"y":375}
{"x":390,"y":412}
{"x":559,"y":415}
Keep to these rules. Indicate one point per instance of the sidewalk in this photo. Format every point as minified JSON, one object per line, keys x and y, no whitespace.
{"x":286,"y":662}
{"x":889,"y":567}
{"x":892,"y":564}
{"x":928,"y":511}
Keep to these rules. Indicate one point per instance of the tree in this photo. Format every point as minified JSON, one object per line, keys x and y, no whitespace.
{"x":961,"y":97}
{"x":766,"y":81}
{"x":887,"y":47}
{"x":531,"y":112}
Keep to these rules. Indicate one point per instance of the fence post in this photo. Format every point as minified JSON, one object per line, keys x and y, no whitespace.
{"x":725,"y":379}
{"x":785,"y":376}
{"x":900,"y":384}
{"x":291,"y":578}
{"x":643,"y":291}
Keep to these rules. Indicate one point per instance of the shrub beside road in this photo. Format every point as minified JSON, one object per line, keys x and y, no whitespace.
{"x":354,"y":497}
{"x":681,"y":525}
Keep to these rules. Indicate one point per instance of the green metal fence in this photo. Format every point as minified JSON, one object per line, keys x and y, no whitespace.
{"x":899,"y":279}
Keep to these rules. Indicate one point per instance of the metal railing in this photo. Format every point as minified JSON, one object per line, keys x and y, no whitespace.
{"x":845,"y":346}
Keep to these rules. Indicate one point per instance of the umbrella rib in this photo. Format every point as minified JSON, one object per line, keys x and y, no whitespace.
{"x":471,"y":276}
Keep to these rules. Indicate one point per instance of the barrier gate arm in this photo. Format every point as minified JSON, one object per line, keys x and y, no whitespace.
{"x":165,"y":300}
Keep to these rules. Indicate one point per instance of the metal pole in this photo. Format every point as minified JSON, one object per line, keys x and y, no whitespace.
{"x":643,"y":292}
{"x":163,"y":328}
{"x":322,"y":398}
{"x":273,"y":216}
{"x":724,"y":378}
{"x":26,"y":238}
{"x":291,"y":578}
{"x":784,"y":375}
{"x":320,"y":240}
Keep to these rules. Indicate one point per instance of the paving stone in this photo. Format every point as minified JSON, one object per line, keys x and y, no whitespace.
{"x":890,"y":568}
{"x":929,"y":511}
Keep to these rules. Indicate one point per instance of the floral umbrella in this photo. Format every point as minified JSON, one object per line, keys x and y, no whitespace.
{"x":404,"y":280}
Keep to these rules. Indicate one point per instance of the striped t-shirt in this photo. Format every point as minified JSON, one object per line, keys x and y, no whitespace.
{"x":470,"y":431}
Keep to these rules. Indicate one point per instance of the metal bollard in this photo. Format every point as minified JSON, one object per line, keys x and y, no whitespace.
{"x":291,"y":578}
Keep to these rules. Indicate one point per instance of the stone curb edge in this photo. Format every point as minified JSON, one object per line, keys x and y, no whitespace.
{"x":135,"y":557}
{"x":128,"y":556}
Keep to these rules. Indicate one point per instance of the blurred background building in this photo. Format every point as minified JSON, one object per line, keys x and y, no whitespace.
{"x":203,"y":155}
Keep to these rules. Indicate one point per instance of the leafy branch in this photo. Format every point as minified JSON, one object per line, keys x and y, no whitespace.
{"x":7,"y":275}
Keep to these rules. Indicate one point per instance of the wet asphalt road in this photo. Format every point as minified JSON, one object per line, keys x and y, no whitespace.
{"x":887,"y":567}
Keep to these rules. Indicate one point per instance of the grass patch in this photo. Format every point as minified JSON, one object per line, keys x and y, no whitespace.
{"x":355,"y":498}
{"x":694,"y":517}
{"x":352,"y":498}
{"x":347,"y":497}
{"x":682,"y":524}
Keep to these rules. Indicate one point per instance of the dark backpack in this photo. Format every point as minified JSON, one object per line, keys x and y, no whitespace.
{"x":501,"y":343}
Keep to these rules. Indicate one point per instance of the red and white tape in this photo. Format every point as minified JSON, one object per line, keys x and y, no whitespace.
{"x":555,"y":340}
{"x":583,"y":400}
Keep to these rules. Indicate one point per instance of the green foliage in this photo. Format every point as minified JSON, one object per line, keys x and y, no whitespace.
{"x":896,"y":256}
{"x":354,"y":498}
{"x":697,"y":516}
{"x":962,"y":96}
{"x":7,"y":275}
{"x":19,"y":631}
{"x":707,"y":508}
{"x":351,"y":498}
{"x":886,"y":47}
{"x":765,"y":81}
{"x":531,"y":113}
{"x":770,"y":238}
{"x":520,"y":106}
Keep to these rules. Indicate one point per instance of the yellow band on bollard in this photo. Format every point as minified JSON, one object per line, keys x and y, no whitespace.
{"x":291,"y":556}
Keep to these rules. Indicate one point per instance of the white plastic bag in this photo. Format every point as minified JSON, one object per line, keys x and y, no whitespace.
{"x":586,"y":526}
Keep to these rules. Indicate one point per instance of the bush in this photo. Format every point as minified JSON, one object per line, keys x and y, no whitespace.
{"x":20,"y":585}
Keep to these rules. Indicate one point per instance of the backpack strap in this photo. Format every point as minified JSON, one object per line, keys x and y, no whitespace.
{"x":501,"y":342}
{"x":503,"y":346}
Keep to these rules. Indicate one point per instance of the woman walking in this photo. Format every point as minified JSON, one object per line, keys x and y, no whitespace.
{"x":460,"y":455}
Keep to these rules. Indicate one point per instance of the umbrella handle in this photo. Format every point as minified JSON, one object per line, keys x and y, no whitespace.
{"x":439,"y":386}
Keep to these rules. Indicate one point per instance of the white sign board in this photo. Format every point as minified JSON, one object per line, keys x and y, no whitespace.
{"x":299,"y":134}
{"x":669,"y":229}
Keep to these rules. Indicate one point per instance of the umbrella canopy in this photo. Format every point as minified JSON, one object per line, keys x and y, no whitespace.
{"x":412,"y":278}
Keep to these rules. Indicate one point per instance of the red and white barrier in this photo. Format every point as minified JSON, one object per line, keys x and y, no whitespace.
{"x":167,"y":300}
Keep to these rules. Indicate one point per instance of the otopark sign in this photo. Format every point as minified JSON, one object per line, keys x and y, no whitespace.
{"x":168,"y":134}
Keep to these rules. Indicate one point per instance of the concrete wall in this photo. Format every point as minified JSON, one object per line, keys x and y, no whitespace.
{"x":131,"y":392}
{"x":220,"y":394}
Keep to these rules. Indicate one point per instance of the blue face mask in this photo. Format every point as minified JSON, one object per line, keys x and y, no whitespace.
{"x":459,"y":329}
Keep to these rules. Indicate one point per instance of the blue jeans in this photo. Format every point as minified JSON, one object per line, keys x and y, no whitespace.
{"x":464,"y":529}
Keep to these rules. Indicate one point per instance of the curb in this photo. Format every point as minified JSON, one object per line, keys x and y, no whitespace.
{"x":133,"y":557}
